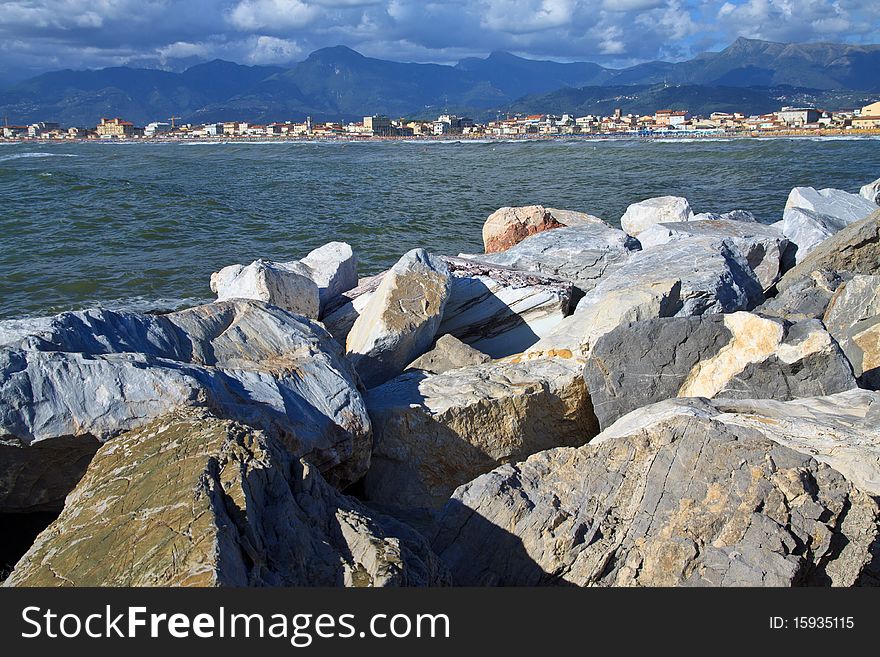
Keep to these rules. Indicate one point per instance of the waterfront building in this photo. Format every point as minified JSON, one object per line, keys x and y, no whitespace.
{"x":117,"y":128}
{"x":798,"y":116}
{"x":378,"y":125}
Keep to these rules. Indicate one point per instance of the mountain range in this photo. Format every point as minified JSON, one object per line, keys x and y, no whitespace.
{"x":340,"y":83}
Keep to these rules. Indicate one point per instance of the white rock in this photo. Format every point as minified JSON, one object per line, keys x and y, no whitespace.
{"x":662,"y":209}
{"x":871,"y":191}
{"x":812,"y":216}
{"x":285,"y":286}
{"x":334,"y":269}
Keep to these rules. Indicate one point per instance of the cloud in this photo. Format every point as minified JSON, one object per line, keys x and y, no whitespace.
{"x":41,"y":35}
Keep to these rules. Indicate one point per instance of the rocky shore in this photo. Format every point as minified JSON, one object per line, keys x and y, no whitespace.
{"x":690,"y":399}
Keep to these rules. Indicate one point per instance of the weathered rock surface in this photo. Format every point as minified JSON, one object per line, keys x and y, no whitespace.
{"x":287,"y":286}
{"x":662,"y":209}
{"x":435,"y":432}
{"x":580,"y":254}
{"x":871,"y":191}
{"x":839,"y":430}
{"x":342,"y":311}
{"x":191,"y":500}
{"x":510,"y":225}
{"x":449,"y":353}
{"x":502,"y":311}
{"x":683,"y":279}
{"x":805,"y":299}
{"x":399,"y":322}
{"x":855,"y":249}
{"x":853,"y":318}
{"x":847,"y":207}
{"x":334,"y":269}
{"x":93,"y":374}
{"x":738,"y":355}
{"x":733,"y":215}
{"x":762,"y":246}
{"x":807,"y":229}
{"x":685,"y":501}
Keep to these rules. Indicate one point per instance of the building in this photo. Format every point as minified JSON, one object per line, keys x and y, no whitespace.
{"x":14,"y":131}
{"x":866,"y":122}
{"x":871,"y":110}
{"x":378,"y":125}
{"x":156,"y":128}
{"x":110,"y":128}
{"x":670,"y":118}
{"x":798,"y":116}
{"x":42,"y":128}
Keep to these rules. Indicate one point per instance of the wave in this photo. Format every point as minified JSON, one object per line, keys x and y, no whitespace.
{"x":20,"y":156}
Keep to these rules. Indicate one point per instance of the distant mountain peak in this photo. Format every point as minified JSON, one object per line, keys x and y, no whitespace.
{"x":337,"y":53}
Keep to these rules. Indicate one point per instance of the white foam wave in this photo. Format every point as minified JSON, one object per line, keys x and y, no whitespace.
{"x":22,"y":156}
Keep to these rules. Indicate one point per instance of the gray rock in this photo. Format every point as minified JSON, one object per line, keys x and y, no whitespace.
{"x":806,"y":299}
{"x":738,"y":355}
{"x":683,"y":279}
{"x":435,"y":432}
{"x":449,"y":353}
{"x":733,"y":215}
{"x":90,"y":375}
{"x":287,"y":286}
{"x":688,"y":501}
{"x":847,"y":207}
{"x":806,"y":229}
{"x":334,"y":269}
{"x":510,"y":225}
{"x":855,"y":249}
{"x":580,"y":254}
{"x":853,"y":318}
{"x":342,"y":311}
{"x":401,"y":318}
{"x":663,"y":209}
{"x":871,"y":191}
{"x":191,"y":500}
{"x":762,"y":246}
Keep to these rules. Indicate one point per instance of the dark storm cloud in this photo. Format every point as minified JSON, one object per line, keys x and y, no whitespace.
{"x":43,"y":35}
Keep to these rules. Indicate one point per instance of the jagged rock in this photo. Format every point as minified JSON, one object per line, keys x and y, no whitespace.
{"x":286,"y":285}
{"x":342,"y":311}
{"x":88,"y":376}
{"x":435,"y":432}
{"x":191,"y":500}
{"x":847,"y":207}
{"x":840,"y":430}
{"x":510,"y":225}
{"x":501,"y":311}
{"x":853,"y":318}
{"x":807,"y":229}
{"x":684,"y":501}
{"x":580,"y":254}
{"x":733,"y":215}
{"x":683,"y":279}
{"x":659,"y":210}
{"x":738,"y":355}
{"x":805,"y":299}
{"x":334,"y":269}
{"x":871,"y":191}
{"x":855,"y":249}
{"x":449,"y":353}
{"x":761,"y":245}
{"x":401,"y":318}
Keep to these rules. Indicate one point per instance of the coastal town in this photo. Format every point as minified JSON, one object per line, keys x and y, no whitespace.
{"x":662,"y":123}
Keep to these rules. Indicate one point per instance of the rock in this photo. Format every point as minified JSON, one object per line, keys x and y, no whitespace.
{"x":192,"y":500}
{"x":839,"y":430}
{"x":687,"y":501}
{"x":806,"y":299}
{"x":342,"y":311}
{"x":659,"y":210}
{"x":733,"y":215}
{"x":580,"y":254}
{"x":871,"y":192}
{"x":738,"y":355}
{"x":855,"y":249}
{"x":683,"y":279}
{"x":449,"y":353}
{"x":88,"y":376}
{"x":509,"y":226}
{"x":400,"y":320}
{"x":435,"y":432}
{"x":334,"y":269}
{"x":844,"y":206}
{"x":501,"y":311}
{"x":762,"y":246}
{"x":807,"y":229}
{"x":271,"y":282}
{"x":853,"y":318}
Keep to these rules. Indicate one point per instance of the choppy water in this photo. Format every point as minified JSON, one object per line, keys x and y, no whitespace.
{"x":144,"y":225}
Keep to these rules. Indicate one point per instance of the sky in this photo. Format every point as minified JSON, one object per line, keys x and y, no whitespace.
{"x":36,"y":36}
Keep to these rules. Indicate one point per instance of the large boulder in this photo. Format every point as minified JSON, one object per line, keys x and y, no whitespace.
{"x":683,"y":279}
{"x":686,"y":501}
{"x":581,"y":254}
{"x":399,"y":322}
{"x":853,"y":318}
{"x":811,"y":215}
{"x":737,"y":355}
{"x":334,"y":269}
{"x":840,"y":430}
{"x":87,"y":376}
{"x":807,"y":298}
{"x":286,"y":286}
{"x":660,"y":210}
{"x":435,"y":432}
{"x":509,"y":226}
{"x":192,"y":500}
{"x":449,"y":353}
{"x":855,"y":249}
{"x":807,"y":229}
{"x":871,"y":192}
{"x":763,"y":246}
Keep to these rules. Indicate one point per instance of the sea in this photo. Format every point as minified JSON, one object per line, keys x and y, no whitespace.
{"x":141,"y":226}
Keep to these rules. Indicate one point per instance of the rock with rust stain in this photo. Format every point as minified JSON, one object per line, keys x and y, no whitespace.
{"x":509,"y":226}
